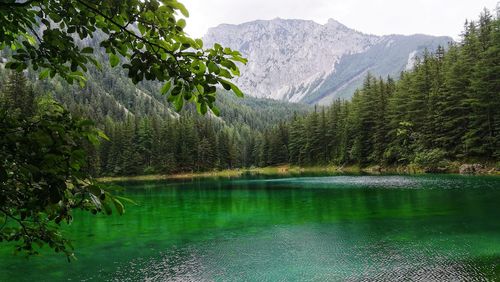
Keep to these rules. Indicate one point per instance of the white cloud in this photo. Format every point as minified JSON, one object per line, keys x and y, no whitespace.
{"x":435,"y":17}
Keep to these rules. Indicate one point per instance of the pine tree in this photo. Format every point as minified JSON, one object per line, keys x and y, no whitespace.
{"x":485,"y":88}
{"x":17,"y":95}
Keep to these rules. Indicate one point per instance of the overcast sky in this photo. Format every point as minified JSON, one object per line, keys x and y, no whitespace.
{"x":380,"y":17}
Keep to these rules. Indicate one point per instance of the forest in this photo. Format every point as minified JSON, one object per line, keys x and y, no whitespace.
{"x":446,"y":109}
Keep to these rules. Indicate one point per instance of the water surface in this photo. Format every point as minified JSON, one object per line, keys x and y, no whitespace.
{"x":355,"y":228}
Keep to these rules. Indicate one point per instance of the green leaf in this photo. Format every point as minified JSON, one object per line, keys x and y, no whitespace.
{"x":11,"y":65}
{"x":44,"y":74}
{"x":237,"y":91}
{"x":166,"y":87}
{"x":88,"y":50}
{"x":201,"y":91}
{"x":225,"y":73}
{"x":225,"y":85}
{"x":178,"y":102}
{"x":201,"y":108}
{"x":235,"y":71}
{"x":86,"y":122}
{"x":202,"y":68}
{"x":181,"y":23}
{"x":124,"y":199}
{"x":119,"y":206}
{"x":180,"y":7}
{"x":199,"y":42}
{"x":176,"y":90}
{"x":113,"y":60}
{"x":213,"y":68}
{"x":142,"y":28}
{"x":239,"y":59}
{"x":233,"y":87}
{"x":215,"y":110}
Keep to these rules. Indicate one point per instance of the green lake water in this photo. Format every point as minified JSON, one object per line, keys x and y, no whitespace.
{"x":308,"y":228}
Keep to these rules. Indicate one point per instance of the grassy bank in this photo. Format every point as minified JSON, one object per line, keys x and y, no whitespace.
{"x":280,"y":170}
{"x":275,"y":170}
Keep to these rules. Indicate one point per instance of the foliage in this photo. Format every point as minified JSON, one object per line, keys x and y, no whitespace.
{"x":153,"y":145}
{"x":431,"y":160}
{"x":41,"y":175}
{"x":146,"y":37}
{"x":446,"y":107}
{"x":44,"y":169}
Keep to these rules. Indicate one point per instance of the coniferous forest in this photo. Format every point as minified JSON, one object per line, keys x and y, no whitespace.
{"x":447,"y":108}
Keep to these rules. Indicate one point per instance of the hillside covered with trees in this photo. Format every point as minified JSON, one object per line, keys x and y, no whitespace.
{"x":147,"y":135}
{"x":445,"y":109}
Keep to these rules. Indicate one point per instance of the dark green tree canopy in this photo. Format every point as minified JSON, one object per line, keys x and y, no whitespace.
{"x":146,"y":37}
{"x":42,"y":175}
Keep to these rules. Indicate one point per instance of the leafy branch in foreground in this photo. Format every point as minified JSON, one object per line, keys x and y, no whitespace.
{"x":41,"y":175}
{"x":148,"y":36}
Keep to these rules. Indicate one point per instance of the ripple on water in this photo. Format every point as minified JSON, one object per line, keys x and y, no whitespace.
{"x":176,"y":264}
{"x":353,"y":181}
{"x":379,"y":228}
{"x":391,"y":182}
{"x":303,"y":253}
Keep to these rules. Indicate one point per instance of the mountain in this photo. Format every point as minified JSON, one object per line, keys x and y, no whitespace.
{"x":303,"y":61}
{"x":110,"y":95}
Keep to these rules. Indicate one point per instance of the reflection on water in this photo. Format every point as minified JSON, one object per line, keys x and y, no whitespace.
{"x":353,"y":181}
{"x":349,"y":228}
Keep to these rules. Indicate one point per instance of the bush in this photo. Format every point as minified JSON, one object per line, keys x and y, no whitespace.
{"x":433,"y":160}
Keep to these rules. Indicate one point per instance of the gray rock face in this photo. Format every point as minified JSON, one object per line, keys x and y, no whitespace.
{"x":302,"y":61}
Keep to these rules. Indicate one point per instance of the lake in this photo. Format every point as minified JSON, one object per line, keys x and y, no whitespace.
{"x":307,"y":228}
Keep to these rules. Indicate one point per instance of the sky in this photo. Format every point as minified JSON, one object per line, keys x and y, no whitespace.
{"x":379,"y":17}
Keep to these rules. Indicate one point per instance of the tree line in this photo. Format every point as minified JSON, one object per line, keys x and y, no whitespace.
{"x":446,"y":108}
{"x":184,"y":143}
{"x":145,"y":141}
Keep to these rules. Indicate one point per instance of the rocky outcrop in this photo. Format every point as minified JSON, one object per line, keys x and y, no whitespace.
{"x":472,"y":169}
{"x":303,"y":61}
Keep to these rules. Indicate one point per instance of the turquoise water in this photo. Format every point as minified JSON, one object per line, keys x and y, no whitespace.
{"x":374,"y":228}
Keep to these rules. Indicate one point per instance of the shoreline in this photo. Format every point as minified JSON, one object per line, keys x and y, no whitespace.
{"x":285,"y":170}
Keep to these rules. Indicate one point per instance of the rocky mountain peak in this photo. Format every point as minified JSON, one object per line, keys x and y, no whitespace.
{"x":294,"y":60}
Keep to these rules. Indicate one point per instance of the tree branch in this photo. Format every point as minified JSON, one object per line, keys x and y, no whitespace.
{"x":124,"y":29}
{"x":19,"y":221}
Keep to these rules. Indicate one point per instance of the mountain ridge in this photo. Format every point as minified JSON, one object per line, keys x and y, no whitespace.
{"x":297,"y":60}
